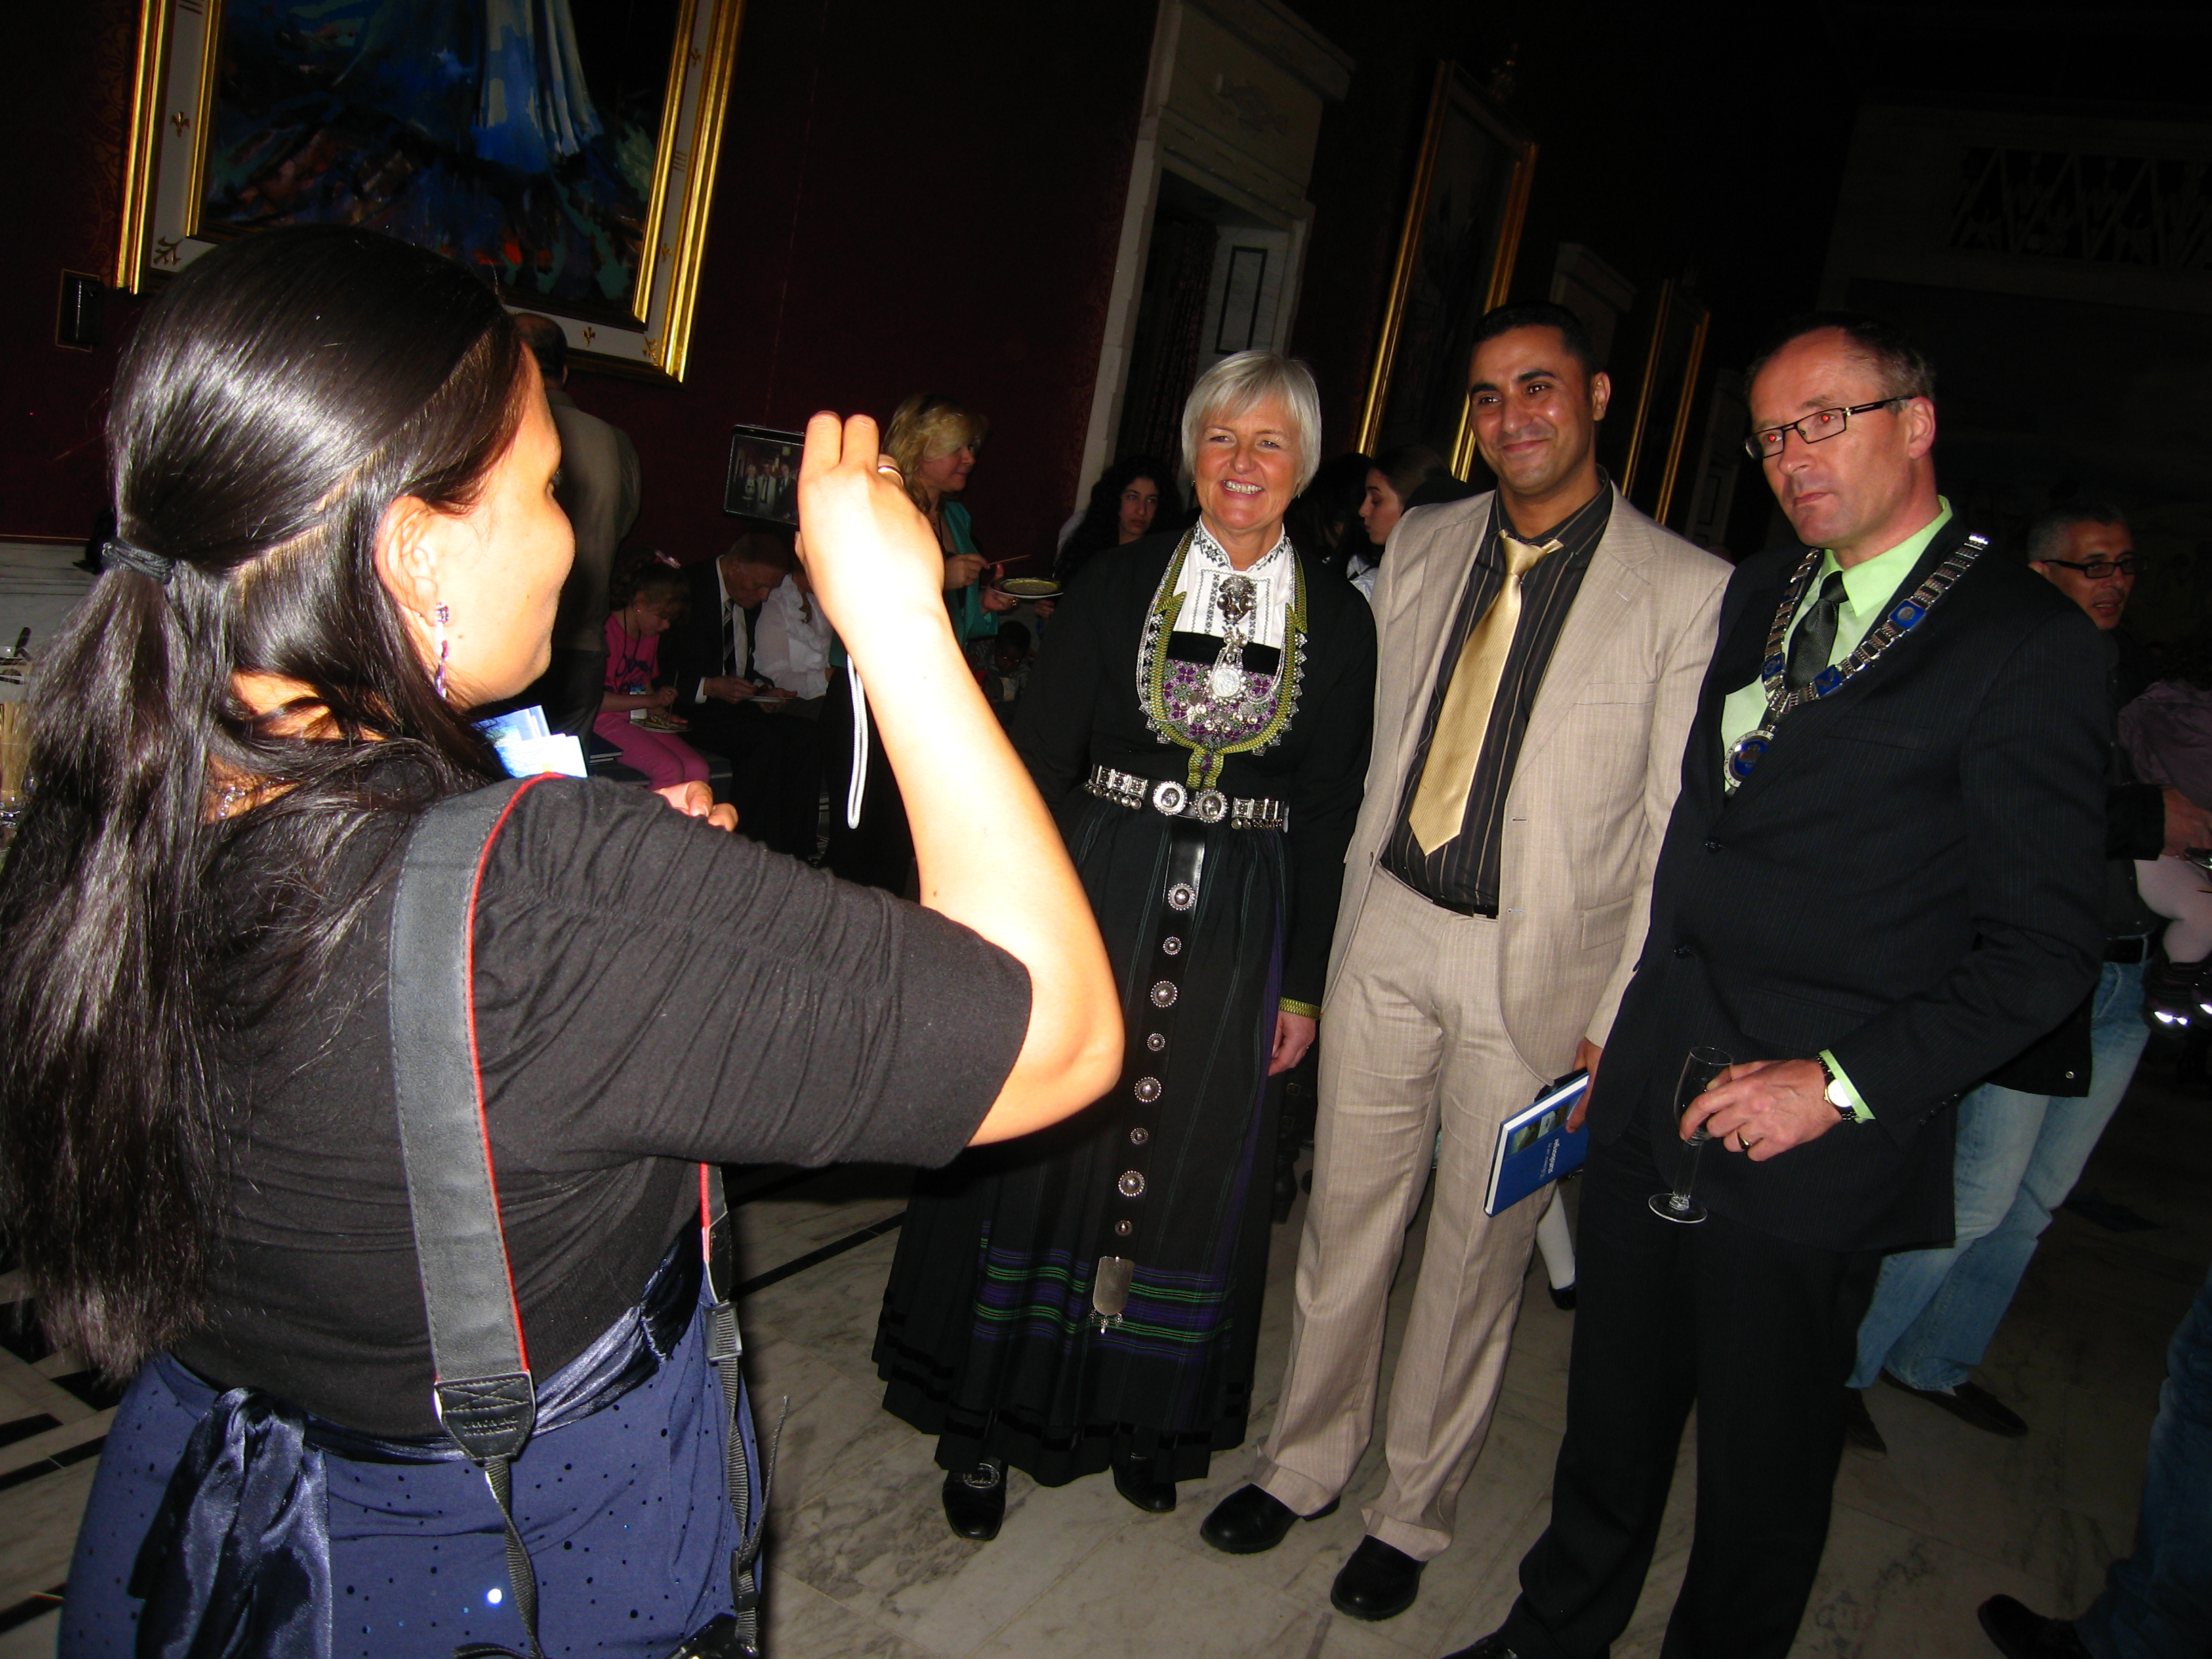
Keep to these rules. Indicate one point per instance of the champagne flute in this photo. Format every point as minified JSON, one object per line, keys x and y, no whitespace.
{"x":1700,"y":1071}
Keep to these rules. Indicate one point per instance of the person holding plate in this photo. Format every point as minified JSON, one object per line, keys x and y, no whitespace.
{"x":1199,"y":721}
{"x":933,"y":440}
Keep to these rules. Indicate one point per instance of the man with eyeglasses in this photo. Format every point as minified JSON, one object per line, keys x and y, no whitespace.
{"x":1879,"y":882}
{"x":2086,"y":552}
{"x":2023,"y":1136}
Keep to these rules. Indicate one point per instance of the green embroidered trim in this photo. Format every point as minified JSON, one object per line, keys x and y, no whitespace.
{"x":1205,"y":770}
{"x":1152,"y":659}
{"x":1307,"y":1010}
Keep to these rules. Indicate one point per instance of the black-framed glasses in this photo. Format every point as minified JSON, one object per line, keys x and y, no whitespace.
{"x":2097,"y":570}
{"x":1818,"y":426}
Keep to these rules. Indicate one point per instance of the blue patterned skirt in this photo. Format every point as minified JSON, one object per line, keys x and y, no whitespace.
{"x":624,"y":1510}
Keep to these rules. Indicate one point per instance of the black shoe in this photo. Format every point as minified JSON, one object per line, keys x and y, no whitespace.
{"x":1249,"y":1520}
{"x":1970,"y":1403}
{"x":1565,"y":1301}
{"x":975,"y":1499}
{"x":1490,"y":1647}
{"x":2022,"y":1634}
{"x":1859,"y":1431}
{"x":1378,"y":1582}
{"x":1153,"y":1497}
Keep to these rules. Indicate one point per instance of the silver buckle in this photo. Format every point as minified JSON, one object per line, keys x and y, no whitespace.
{"x":1210,"y":807}
{"x":1168,"y":796}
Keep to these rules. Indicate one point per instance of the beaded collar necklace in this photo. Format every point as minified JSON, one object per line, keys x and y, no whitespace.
{"x":1782,"y":699}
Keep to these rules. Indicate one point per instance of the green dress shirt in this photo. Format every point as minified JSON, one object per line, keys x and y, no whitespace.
{"x":1870,"y":588}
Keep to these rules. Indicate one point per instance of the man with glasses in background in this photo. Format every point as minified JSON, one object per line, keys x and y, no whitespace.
{"x":2023,"y":1136}
{"x":1881,"y":881}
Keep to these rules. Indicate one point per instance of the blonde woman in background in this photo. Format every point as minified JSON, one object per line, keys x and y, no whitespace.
{"x":933,"y":441}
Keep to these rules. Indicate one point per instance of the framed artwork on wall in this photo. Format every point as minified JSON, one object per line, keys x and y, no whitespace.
{"x":1664,"y":394}
{"x":563,"y":149}
{"x":1462,"y":230}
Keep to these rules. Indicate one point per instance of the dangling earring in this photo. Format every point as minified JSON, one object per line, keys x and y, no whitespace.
{"x":442,"y":616}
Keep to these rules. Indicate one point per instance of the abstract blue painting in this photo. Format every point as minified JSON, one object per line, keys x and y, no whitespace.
{"x":516,"y":136}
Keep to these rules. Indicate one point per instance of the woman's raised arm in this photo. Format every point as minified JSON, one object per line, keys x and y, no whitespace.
{"x":989,"y":855}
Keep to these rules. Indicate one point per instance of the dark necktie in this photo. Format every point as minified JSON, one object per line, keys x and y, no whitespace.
{"x":733,"y":640}
{"x":1815,"y":638}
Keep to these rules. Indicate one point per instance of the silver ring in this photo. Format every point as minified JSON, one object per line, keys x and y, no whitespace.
{"x":1742,"y":1144}
{"x":885,"y":467}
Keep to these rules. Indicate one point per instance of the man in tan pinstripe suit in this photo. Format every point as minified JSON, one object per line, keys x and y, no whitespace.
{"x":1540,"y":651}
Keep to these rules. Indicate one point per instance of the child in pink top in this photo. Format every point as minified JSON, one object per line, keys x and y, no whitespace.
{"x":655,"y":598}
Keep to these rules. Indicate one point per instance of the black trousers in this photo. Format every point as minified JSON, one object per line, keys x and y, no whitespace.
{"x":774,"y":771}
{"x":1760,"y":1334}
{"x":878,"y":852}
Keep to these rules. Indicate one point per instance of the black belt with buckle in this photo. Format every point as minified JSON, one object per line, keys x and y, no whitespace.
{"x":2134,"y":948}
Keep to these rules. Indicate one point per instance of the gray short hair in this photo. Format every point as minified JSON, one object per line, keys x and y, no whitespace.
{"x":1243,"y":381}
{"x":2047,"y":533}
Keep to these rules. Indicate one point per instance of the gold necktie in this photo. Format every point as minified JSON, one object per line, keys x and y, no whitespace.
{"x":1440,"y":803}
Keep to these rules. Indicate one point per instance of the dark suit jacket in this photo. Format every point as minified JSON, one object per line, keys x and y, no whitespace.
{"x":692,"y":649}
{"x":1912,"y":879}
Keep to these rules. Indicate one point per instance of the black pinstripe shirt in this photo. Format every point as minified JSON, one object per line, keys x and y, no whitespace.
{"x":1463,"y":874}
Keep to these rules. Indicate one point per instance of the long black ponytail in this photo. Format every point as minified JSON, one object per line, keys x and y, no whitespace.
{"x":282,"y":394}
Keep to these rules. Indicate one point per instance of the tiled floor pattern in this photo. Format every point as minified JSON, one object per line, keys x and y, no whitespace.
{"x":864,"y":1568}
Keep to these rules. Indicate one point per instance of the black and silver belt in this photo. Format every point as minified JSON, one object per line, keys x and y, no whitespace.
{"x":2129,"y":948}
{"x":1171,"y":799}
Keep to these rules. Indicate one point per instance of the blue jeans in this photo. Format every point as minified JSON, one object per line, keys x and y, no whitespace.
{"x":2018,"y":1156}
{"x":2158,"y":1604}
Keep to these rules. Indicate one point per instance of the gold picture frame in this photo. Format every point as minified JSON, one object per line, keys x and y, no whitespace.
{"x":174,"y":107}
{"x":1455,"y":258}
{"x":1667,"y":391}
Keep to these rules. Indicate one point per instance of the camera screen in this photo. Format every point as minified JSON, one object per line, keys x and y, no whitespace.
{"x":764,"y":481}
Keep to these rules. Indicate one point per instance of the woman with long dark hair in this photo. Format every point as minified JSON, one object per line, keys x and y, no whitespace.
{"x":332,"y":468}
{"x":1199,"y":720}
{"x":1132,"y":498}
{"x":1394,"y":478}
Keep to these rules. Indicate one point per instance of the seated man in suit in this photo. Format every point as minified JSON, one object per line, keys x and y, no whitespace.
{"x":1883,"y":878}
{"x":734,"y":710}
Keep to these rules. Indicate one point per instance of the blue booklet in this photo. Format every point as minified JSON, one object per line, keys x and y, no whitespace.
{"x":1534,"y":1147}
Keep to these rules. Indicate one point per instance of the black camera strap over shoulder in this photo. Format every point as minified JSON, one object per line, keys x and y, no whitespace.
{"x":485,"y":1398}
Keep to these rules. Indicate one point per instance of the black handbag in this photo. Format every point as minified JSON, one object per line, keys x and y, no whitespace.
{"x":485,"y":1398}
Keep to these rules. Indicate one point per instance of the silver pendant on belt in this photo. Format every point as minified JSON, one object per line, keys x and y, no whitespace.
{"x":1110,"y":1289}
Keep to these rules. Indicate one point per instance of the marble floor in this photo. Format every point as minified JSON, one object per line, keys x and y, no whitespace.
{"x":862,"y":1566}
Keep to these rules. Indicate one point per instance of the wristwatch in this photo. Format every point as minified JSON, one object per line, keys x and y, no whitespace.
{"x":1834,"y":1093}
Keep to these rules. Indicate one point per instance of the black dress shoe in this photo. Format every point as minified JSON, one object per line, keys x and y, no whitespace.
{"x":975,"y":1499}
{"x":1970,"y":1403}
{"x":1153,"y":1497}
{"x":1249,"y":1520}
{"x":1490,"y":1647}
{"x":1563,"y":1300}
{"x":1859,"y":1431}
{"x":2022,"y":1634}
{"x":1378,"y":1582}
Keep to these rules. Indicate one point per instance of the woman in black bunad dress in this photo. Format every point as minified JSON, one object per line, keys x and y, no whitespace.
{"x":1200,"y":725}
